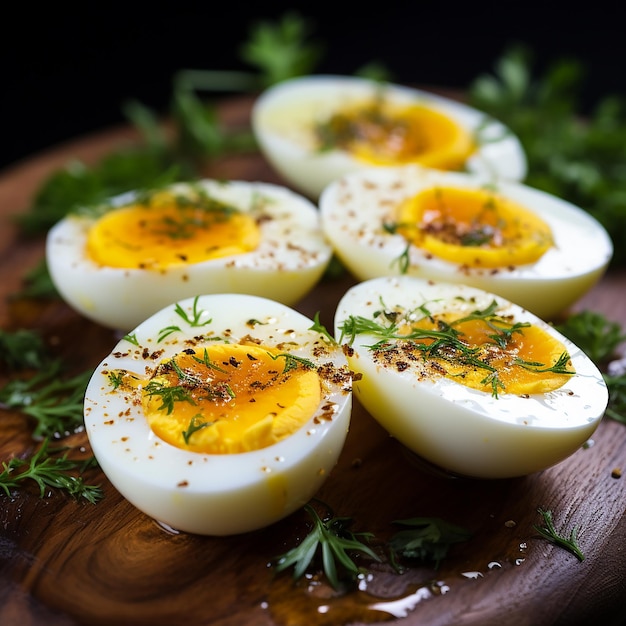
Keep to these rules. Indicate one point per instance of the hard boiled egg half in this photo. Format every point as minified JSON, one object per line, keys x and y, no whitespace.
{"x":220,"y":414}
{"x":532,"y":248}
{"x":314,"y":129}
{"x":119,"y":265}
{"x":468,"y":381}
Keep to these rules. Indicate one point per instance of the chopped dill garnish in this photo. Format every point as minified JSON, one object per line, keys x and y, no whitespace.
{"x":321,"y":329}
{"x":166,"y":332}
{"x":445,"y":341}
{"x":196,"y":314}
{"x":559,"y":367}
{"x":292,"y":361}
{"x":169,"y":395}
{"x":195,"y":424}
{"x":206,"y":361}
{"x":131,"y":338}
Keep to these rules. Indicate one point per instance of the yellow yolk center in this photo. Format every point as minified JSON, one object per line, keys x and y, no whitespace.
{"x":473,"y":227}
{"x":491,"y":355}
{"x":170,"y":231}
{"x":384,"y":135}
{"x":230,"y":398}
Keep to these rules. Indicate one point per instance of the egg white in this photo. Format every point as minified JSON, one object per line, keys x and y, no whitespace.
{"x":283,"y":115}
{"x":290,"y":259}
{"x":216,"y":494}
{"x":459,"y":429}
{"x":354,"y":209}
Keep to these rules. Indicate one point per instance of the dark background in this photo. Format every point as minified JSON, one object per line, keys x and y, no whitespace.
{"x":66,"y":72}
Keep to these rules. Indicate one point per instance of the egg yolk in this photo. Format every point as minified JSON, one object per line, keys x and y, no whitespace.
{"x":230,"y":398}
{"x":167,"y":230}
{"x":381,"y":134}
{"x":483,"y":352}
{"x":473,"y":227}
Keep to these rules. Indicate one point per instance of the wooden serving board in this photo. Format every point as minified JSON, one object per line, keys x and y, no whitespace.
{"x":66,"y":563}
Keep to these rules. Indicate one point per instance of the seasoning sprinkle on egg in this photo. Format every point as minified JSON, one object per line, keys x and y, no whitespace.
{"x":315,"y":129}
{"x":119,"y":264}
{"x":468,"y":381}
{"x":502,"y":237}
{"x":213,"y":427}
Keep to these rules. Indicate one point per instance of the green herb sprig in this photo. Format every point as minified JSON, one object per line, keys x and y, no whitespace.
{"x":47,"y":471}
{"x":292,"y":361}
{"x":196,"y":423}
{"x":596,"y":335}
{"x":196,"y":314}
{"x":275,"y":50}
{"x":446,"y":339}
{"x":332,"y":538}
{"x":616,"y":408}
{"x":549,"y":532}
{"x":53,"y":400}
{"x":426,"y":539}
{"x":599,"y":338}
{"x":37,"y":283}
{"x":580,"y":158}
{"x":169,"y":395}
{"x":318,"y":327}
{"x":22,"y":349}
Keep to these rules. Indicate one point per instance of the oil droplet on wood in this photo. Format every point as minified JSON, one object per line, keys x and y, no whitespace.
{"x":288,"y":601}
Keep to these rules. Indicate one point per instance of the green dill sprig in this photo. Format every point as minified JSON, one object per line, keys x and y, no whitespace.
{"x":425,"y":539}
{"x":75,"y":186}
{"x":332,"y":538}
{"x":277,"y":50}
{"x":219,"y":390}
{"x":282,"y":49}
{"x":597,"y":336}
{"x":493,"y":380}
{"x":131,"y":338}
{"x":561,"y":365}
{"x":116,"y":379}
{"x":206,"y":361}
{"x":196,"y":314}
{"x":403,"y":261}
{"x":549,"y":532}
{"x":22,"y":349}
{"x":37,"y":283}
{"x":48,"y":472}
{"x":168,"y":395}
{"x":195,"y":424}
{"x":166,"y":332}
{"x":55,"y":402}
{"x":318,"y":327}
{"x":446,"y":341}
{"x":292,"y":361}
{"x":545,"y":111}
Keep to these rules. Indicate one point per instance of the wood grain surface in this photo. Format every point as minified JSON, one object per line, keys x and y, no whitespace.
{"x":68,"y":563}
